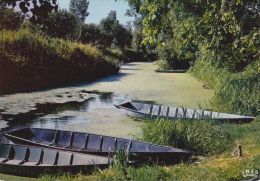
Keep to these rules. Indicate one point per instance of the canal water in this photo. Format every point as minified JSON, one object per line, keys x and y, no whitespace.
{"x":136,"y":81}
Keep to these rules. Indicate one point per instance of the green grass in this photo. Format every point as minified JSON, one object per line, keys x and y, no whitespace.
{"x":200,"y":136}
{"x":14,"y":178}
{"x":233,"y":92}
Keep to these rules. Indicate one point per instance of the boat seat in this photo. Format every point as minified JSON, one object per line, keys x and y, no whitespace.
{"x":14,"y":162}
{"x":19,"y":155}
{"x":65,"y":158}
{"x":30,"y":163}
{"x":49,"y":157}
{"x":34,"y":156}
{"x":4,"y":152}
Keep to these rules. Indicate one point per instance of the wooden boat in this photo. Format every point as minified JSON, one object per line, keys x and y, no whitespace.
{"x":34,"y":161}
{"x":171,"y":71}
{"x":95,"y":144}
{"x":142,"y":110}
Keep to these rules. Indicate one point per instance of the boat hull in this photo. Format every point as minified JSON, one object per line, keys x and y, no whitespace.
{"x":33,"y":161}
{"x":36,"y":171}
{"x":142,"y":110}
{"x":139,"y":152}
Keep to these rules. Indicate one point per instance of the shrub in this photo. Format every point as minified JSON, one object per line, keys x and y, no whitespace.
{"x":202,"y":137}
{"x":9,"y":19}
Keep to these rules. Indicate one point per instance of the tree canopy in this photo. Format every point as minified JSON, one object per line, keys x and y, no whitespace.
{"x":225,"y":33}
{"x":79,"y":8}
{"x":37,"y":10}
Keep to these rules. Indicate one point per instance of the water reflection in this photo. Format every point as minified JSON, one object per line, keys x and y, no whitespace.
{"x":96,"y":115}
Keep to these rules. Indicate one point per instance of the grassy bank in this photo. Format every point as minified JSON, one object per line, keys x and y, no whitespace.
{"x":233,"y":92}
{"x":30,"y":61}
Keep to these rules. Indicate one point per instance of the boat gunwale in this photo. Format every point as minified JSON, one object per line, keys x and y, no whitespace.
{"x":92,"y":151}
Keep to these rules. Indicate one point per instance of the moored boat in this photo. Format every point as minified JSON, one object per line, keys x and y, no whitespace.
{"x":33,"y":161}
{"x":95,"y":144}
{"x":144,"y":110}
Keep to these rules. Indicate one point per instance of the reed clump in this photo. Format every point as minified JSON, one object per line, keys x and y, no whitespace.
{"x":200,"y":136}
{"x":233,"y":92}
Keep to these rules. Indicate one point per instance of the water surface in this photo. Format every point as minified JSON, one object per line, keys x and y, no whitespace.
{"x":98,"y":115}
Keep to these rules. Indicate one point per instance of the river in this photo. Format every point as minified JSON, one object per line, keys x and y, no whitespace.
{"x":97,"y":114}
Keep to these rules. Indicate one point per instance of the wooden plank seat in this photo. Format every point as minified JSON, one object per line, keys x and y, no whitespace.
{"x":34,"y":157}
{"x":50,"y":158}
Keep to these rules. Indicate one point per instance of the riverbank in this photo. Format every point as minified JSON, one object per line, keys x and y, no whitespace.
{"x":31,"y":61}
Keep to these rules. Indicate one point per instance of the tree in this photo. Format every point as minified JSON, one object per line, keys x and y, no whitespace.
{"x":224,"y":33}
{"x":37,"y":10}
{"x":79,"y":8}
{"x":90,"y":33}
{"x":61,"y":24}
{"x":113,"y":32}
{"x":108,"y":28}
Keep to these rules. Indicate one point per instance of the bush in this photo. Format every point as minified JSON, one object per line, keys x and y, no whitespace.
{"x":9,"y":19}
{"x":202,"y":137}
{"x":31,"y":61}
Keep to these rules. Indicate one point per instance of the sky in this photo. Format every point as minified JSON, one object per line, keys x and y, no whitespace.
{"x":99,"y":9}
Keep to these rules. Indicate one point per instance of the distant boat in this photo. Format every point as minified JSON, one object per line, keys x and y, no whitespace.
{"x":33,"y":161}
{"x":171,"y":71}
{"x":95,"y":144}
{"x":144,"y":110}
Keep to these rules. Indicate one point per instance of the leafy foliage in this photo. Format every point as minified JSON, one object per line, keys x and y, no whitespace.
{"x":61,"y":24}
{"x":36,"y":9}
{"x":90,"y":33}
{"x":9,"y":19}
{"x":113,"y":33}
{"x":223,"y":32}
{"x":79,"y":8}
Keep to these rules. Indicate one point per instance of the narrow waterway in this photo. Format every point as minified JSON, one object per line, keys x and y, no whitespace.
{"x":140,"y":81}
{"x":97,"y":114}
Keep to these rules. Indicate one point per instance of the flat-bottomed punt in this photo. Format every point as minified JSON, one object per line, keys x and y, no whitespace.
{"x":143,"y":110}
{"x":95,"y":144}
{"x":34,"y":161}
